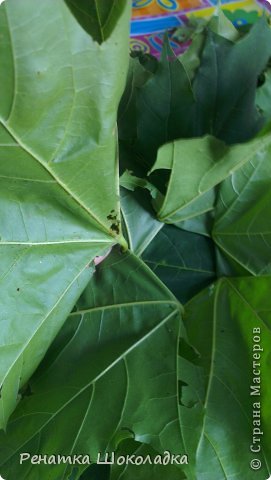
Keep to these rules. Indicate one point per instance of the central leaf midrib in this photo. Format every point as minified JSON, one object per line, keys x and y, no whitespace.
{"x":124,"y":305}
{"x":212,"y":365}
{"x":57,"y":242}
{"x":99,"y":21}
{"x":61,"y":184}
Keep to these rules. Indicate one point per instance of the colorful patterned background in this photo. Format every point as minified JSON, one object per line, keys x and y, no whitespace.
{"x":152,"y":17}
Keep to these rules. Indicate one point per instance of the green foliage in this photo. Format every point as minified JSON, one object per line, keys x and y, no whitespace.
{"x":263,"y":94}
{"x":164,"y":105}
{"x":126,"y":322}
{"x":210,"y":89}
{"x":242,"y":226}
{"x":196,"y":167}
{"x":218,"y":377}
{"x":229,"y":73}
{"x":141,"y":472}
{"x":149,"y":353}
{"x":139,"y":223}
{"x":184,"y":261}
{"x":98,"y":18}
{"x":54,"y":213}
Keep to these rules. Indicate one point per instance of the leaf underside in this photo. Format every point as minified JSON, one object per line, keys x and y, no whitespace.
{"x":54,"y":215}
{"x":127,"y":322}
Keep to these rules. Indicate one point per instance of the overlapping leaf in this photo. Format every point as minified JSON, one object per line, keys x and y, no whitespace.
{"x":96,"y":472}
{"x":165,"y":106}
{"x":263,"y":96}
{"x":97,"y":17}
{"x":221,"y":25}
{"x":196,"y":167}
{"x":113,"y":366}
{"x":184,"y":261}
{"x":225,"y":84}
{"x":146,"y":471}
{"x":110,"y":379}
{"x":242,"y":228}
{"x":58,"y":174}
{"x":127,"y":112}
{"x":217,"y":376}
{"x":139,"y":223}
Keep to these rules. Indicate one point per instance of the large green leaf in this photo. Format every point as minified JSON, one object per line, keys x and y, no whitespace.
{"x":184,"y":261}
{"x":225,"y":84}
{"x":242,"y":228}
{"x":58,"y":174}
{"x":227,"y":324}
{"x":196,"y":167}
{"x":165,"y":106}
{"x":112,"y":367}
{"x":97,"y":17}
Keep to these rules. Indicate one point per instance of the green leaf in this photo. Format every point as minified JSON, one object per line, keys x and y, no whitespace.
{"x":263,"y":96}
{"x":242,"y":228}
{"x":113,"y":366}
{"x":195,"y":30}
{"x":201,"y":224}
{"x":96,"y":472}
{"x":127,"y":113}
{"x":97,"y":17}
{"x":223,"y":324}
{"x":129,"y":181}
{"x":221,"y":25}
{"x":225,"y":84}
{"x":191,"y":57}
{"x":218,"y":23}
{"x":58,"y":174}
{"x":184,"y":261}
{"x":196,"y":167}
{"x":147,"y":470}
{"x":226,"y":266}
{"x":165,"y":106}
{"x":140,"y":225}
{"x":193,"y":26}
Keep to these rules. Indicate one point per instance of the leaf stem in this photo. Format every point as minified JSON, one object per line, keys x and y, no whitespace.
{"x":123,"y":243}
